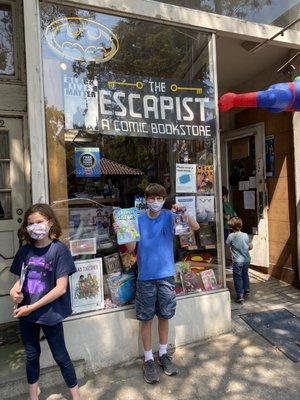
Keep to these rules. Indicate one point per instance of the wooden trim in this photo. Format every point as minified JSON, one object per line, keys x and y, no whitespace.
{"x":35,"y":102}
{"x":18,"y":44}
{"x":190,"y":18}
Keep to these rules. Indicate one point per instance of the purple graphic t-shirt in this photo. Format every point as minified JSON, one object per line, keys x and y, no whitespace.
{"x":45,"y":266}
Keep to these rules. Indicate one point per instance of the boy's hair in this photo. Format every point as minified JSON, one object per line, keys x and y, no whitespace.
{"x":155,"y":189}
{"x":224,"y":191}
{"x":46,"y":211}
{"x":235,"y":223}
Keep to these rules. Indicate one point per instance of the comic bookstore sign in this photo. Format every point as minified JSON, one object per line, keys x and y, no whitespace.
{"x":155,"y":107}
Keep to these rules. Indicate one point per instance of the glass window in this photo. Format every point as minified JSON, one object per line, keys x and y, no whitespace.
{"x":272,"y":12}
{"x":6,"y":41}
{"x":129,"y":102}
{"x":5,"y":184}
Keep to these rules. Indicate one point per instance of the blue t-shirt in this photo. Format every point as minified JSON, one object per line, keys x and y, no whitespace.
{"x":239,"y":246}
{"x":45,"y":266}
{"x":155,"y":255}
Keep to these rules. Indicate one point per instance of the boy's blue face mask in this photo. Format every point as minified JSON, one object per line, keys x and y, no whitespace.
{"x":156,"y":206}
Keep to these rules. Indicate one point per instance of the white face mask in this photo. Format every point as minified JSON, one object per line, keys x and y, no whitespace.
{"x":156,"y":206}
{"x":38,"y":231}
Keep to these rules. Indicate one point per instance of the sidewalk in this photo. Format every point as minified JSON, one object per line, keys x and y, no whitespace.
{"x":237,"y":366}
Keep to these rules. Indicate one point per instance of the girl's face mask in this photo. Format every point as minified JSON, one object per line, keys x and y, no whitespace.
{"x":38,"y":231}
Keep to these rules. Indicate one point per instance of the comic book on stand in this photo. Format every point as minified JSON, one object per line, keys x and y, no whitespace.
{"x":127,"y":221}
{"x":122,"y":288}
{"x":209,"y":279}
{"x":112,"y":263}
{"x":207,"y":236}
{"x":190,"y":280}
{"x":188,"y":241}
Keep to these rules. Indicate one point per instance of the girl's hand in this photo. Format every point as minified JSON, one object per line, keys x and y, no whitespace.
{"x":22,"y":311}
{"x":16,"y":296}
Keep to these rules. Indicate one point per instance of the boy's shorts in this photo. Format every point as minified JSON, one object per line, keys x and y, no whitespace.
{"x":155,"y":297}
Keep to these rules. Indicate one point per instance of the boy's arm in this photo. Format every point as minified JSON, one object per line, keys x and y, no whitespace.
{"x":130,"y":246}
{"x":193,"y":224}
{"x":250,"y":246}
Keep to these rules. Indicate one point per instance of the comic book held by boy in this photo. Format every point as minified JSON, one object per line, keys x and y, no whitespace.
{"x":127,"y":221}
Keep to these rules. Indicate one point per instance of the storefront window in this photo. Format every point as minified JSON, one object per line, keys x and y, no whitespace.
{"x":6,"y":41}
{"x":128,"y":102}
{"x":272,"y":12}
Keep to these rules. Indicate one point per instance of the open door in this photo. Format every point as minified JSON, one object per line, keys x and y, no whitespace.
{"x":243,"y":173}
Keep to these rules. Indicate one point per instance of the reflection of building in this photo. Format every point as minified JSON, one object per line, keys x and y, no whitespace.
{"x":45,"y":171}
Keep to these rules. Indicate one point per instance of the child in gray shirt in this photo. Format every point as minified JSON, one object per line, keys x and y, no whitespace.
{"x":240,"y":245}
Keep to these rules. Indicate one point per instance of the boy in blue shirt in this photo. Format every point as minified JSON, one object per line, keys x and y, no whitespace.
{"x":240,"y":245}
{"x":156,"y":284}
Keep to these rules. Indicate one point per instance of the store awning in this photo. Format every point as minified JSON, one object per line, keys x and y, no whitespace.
{"x":109,"y":167}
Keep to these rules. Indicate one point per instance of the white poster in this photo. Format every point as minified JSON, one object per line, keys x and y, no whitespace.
{"x":243,"y":185}
{"x":205,"y":208}
{"x":186,"y":178}
{"x":189,"y":203}
{"x":249,"y":200}
{"x":86,"y":286}
{"x":81,"y":103}
{"x":252,"y":182}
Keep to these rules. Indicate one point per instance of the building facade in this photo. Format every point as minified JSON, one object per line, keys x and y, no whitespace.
{"x":97,"y":99}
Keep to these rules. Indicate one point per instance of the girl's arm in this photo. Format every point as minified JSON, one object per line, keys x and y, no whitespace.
{"x":15,"y":293}
{"x":59,"y":290}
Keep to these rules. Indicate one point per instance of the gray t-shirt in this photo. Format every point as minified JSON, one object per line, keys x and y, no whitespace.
{"x":239,"y":246}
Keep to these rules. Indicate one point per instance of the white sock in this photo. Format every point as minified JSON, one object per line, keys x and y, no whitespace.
{"x":148,"y":355}
{"x":162,"y":349}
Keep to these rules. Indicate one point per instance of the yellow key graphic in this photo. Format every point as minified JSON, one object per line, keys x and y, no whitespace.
{"x":138,"y":84}
{"x":176,"y":88}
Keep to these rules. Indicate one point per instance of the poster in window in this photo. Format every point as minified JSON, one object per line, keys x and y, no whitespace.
{"x":205,"y":179}
{"x":88,"y":222}
{"x":87,"y":162}
{"x":189,"y":203}
{"x":83,"y":246}
{"x":86,"y":286}
{"x":80,"y":103}
{"x":186,"y":178}
{"x":155,"y":107}
{"x":270,"y":156}
{"x":205,"y":208}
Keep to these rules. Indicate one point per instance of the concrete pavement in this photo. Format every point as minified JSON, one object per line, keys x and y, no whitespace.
{"x":237,"y":366}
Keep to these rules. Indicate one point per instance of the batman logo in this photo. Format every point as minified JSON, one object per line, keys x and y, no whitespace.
{"x":82,"y":39}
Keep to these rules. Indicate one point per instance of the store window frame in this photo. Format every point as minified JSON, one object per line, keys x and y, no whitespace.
{"x":18,"y":43}
{"x":218,"y":200}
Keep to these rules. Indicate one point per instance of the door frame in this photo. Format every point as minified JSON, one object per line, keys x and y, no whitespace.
{"x":257,"y":130}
